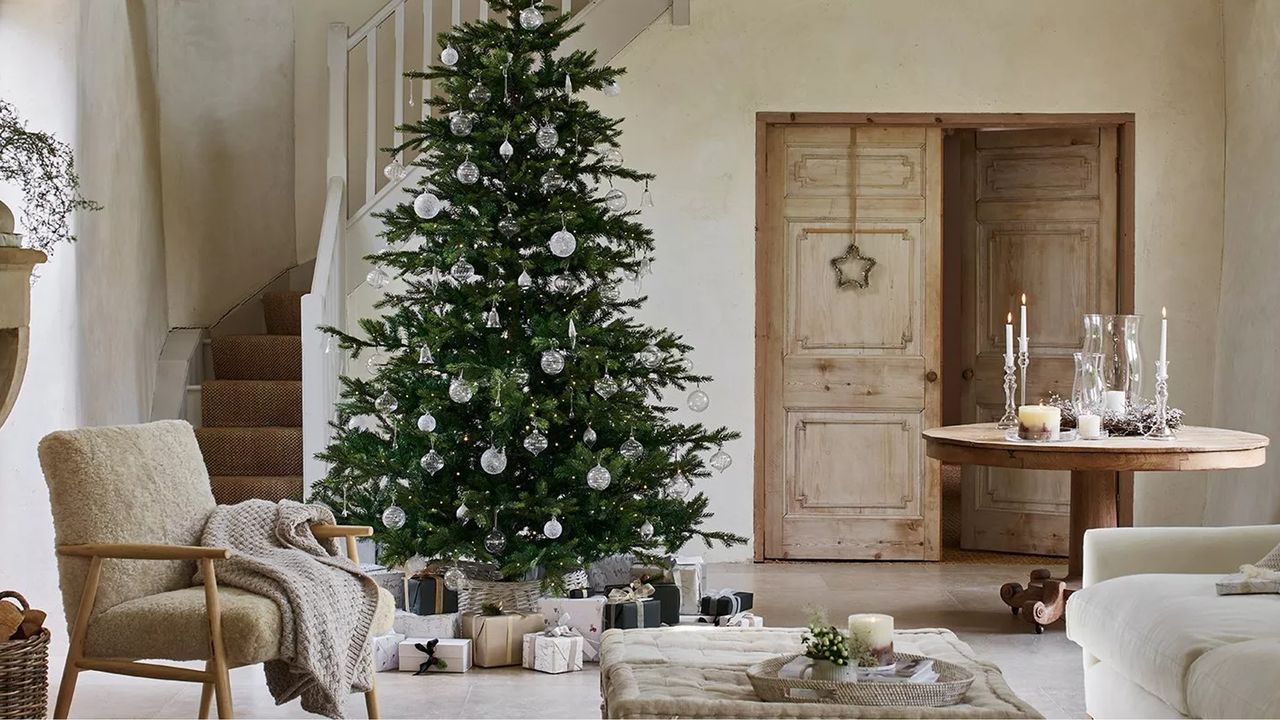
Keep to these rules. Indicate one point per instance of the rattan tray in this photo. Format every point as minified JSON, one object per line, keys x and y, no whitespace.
{"x":953,"y":682}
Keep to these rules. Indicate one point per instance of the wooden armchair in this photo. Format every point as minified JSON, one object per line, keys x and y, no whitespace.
{"x":129,"y":505}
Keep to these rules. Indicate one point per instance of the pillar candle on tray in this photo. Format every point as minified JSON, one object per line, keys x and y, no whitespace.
{"x":1089,"y":426}
{"x":876,"y":631}
{"x":1039,"y":422}
{"x":1114,"y":401}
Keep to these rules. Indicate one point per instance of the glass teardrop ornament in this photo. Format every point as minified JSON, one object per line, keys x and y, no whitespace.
{"x":720,"y":460}
{"x":491,"y":319}
{"x":589,"y":437}
{"x":524,"y":281}
{"x":508,"y":226}
{"x":432,"y":462}
{"x":506,"y":150}
{"x":535,"y":443}
{"x":462,"y":271}
{"x":462,"y":511}
{"x":606,"y":387}
{"x":386,"y":403}
{"x":646,"y":530}
{"x":678,"y":487}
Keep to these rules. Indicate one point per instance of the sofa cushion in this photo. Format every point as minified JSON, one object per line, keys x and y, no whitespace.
{"x":173,"y":626}
{"x":1236,"y":681}
{"x":1154,"y":627}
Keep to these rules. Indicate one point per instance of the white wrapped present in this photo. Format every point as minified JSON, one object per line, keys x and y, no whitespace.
{"x":745,"y":618}
{"x":453,"y":655}
{"x":386,"y":651}
{"x":550,"y":653}
{"x":427,"y":626}
{"x":689,"y":574}
{"x":586,"y":615}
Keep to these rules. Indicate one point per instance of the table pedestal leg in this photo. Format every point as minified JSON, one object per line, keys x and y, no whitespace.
{"x":1093,"y":505}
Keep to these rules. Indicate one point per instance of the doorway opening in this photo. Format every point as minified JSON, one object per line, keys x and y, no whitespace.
{"x":930,"y":226}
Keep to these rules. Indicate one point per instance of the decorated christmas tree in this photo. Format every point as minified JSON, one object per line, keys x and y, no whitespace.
{"x":514,"y":412}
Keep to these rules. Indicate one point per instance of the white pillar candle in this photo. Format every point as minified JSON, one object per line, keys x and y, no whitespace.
{"x":876,"y":631}
{"x":1008,"y":340}
{"x":1089,"y":426}
{"x":1022,"y":320}
{"x":1039,"y":422}
{"x":1164,"y":337}
{"x":1114,"y":401}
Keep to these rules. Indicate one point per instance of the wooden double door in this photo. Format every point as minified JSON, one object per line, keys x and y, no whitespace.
{"x":850,"y":319}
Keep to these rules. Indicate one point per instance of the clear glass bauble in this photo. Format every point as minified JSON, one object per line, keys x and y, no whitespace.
{"x":564,"y":284}
{"x":427,"y":422}
{"x":377,"y":278}
{"x":631,"y":448}
{"x":386,"y":403}
{"x":461,"y":512}
{"x":395,"y":170}
{"x":495,"y":542}
{"x":562,"y":243}
{"x":425,"y":357}
{"x":479,"y":94}
{"x":552,"y":529}
{"x":547,"y":137}
{"x":698,"y":401}
{"x":525,"y":281}
{"x":535,"y":442}
{"x":431,"y":462}
{"x":606,"y":387}
{"x":720,"y":460}
{"x":454,"y":578}
{"x":615,"y":200}
{"x":449,"y":56}
{"x":521,"y":376}
{"x":506,"y":150}
{"x":375,"y":362}
{"x":598,"y":477}
{"x":552,"y":182}
{"x":552,"y":362}
{"x":462,"y":271}
{"x":393,"y":517}
{"x":460,"y":123}
{"x":650,"y":356}
{"x":508,"y":226}
{"x":467,"y":173}
{"x":589,"y":437}
{"x":613,"y":89}
{"x":678,"y":486}
{"x":646,"y":530}
{"x":460,"y":390}
{"x":493,"y":460}
{"x":531,"y":18}
{"x":612,"y":157}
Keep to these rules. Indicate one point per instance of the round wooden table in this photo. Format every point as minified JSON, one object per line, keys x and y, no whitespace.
{"x":1093,"y":465}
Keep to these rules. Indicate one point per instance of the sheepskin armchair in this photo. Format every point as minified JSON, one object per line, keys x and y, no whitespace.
{"x":129,"y":507}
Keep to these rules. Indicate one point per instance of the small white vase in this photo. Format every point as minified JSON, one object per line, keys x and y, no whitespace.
{"x":828,"y":671}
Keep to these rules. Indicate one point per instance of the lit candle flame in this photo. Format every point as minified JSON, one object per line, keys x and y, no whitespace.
{"x":1024,"y":298}
{"x":1009,"y":319}
{"x":1163,"y":313}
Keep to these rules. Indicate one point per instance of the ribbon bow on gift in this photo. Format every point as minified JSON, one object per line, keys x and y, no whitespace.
{"x":637,"y":592}
{"x":746,"y":618}
{"x":561,"y":628}
{"x":735,"y":602}
{"x":430,"y":649}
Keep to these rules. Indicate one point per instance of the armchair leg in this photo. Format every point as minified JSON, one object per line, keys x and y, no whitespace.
{"x":217,"y":654}
{"x":206,"y":694}
{"x":371,"y":702}
{"x":75,"y":650}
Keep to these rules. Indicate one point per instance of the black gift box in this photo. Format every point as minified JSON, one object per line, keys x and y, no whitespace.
{"x":715,"y":606}
{"x":429,"y":596}
{"x":626,"y":615}
{"x":668,"y":596}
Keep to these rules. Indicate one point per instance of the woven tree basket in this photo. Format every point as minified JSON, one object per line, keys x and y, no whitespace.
{"x":519,"y":596}
{"x":24,"y":672}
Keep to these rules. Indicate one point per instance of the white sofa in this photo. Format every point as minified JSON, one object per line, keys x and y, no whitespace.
{"x":1159,"y":642}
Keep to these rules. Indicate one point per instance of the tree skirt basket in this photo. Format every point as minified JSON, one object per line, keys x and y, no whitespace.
{"x":24,"y":673}
{"x":518,"y":596}
{"x":952,"y":684}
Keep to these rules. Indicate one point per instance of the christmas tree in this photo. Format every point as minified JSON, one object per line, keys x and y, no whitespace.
{"x":514,"y":411}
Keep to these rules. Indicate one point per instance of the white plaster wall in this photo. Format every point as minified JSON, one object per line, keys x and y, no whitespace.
{"x":83,"y":71}
{"x":690,"y":102}
{"x":1247,"y":391}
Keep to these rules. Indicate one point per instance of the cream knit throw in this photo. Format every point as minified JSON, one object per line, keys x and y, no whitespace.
{"x":326,"y":603}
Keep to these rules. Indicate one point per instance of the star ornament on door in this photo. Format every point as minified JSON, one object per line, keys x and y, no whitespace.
{"x":853,"y":269}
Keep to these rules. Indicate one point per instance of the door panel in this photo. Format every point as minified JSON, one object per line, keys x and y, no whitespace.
{"x":843,"y":369}
{"x":1041,"y":219}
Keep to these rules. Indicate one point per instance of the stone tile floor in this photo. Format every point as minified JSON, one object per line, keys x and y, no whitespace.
{"x":1044,"y":669}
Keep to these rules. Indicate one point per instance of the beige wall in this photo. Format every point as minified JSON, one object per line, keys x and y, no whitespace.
{"x":1247,"y":391}
{"x":690,"y":102}
{"x":98,"y":310}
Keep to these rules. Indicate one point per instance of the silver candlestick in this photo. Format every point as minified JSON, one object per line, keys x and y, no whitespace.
{"x":1160,"y":427}
{"x":1023,"y":360}
{"x":1010,"y":419}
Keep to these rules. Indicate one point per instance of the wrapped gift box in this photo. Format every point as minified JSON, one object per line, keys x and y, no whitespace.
{"x":668,"y":596}
{"x":392,"y":580}
{"x":631,"y":614}
{"x":726,"y":602}
{"x":745,"y":618}
{"x":386,"y":651}
{"x":454,"y":652}
{"x":498,"y":640}
{"x":429,"y":596}
{"x":552,"y":653}
{"x":689,"y":574}
{"x":427,"y":626}
{"x":586,"y":615}
{"x":696,"y":619}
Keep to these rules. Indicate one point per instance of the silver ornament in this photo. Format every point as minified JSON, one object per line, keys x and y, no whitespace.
{"x":376,"y":278}
{"x":589,"y":437}
{"x":462,"y":271}
{"x":462,"y":511}
{"x":395,"y":170}
{"x":646,"y":530}
{"x":598,"y":477}
{"x":521,"y":376}
{"x":375,"y":362}
{"x":564,"y":284}
{"x":425,"y":357}
{"x":568,"y":85}
{"x":479,"y":94}
{"x":386,"y":403}
{"x":552,"y":362}
{"x":427,"y":205}
{"x":508,"y":226}
{"x":547,"y":136}
{"x":432,"y":462}
{"x":613,"y":89}
{"x":467,"y":173}
{"x":612,"y":157}
{"x":698,"y":401}
{"x":631,"y":448}
{"x":535,"y":443}
{"x":551,"y":181}
{"x":552,"y":529}
{"x":493,"y":460}
{"x":531,"y":18}
{"x":505,"y":150}
{"x":460,"y":123}
{"x":491,"y":319}
{"x":678,"y":487}
{"x":615,"y":200}
{"x":562,"y":243}
{"x":393,"y":517}
{"x":650,"y":356}
{"x":720,"y":460}
{"x":460,"y":390}
{"x":524,"y":281}
{"x":449,"y":56}
{"x":606,"y":387}
{"x":427,"y":422}
{"x":454,"y":578}
{"x":494,"y":542}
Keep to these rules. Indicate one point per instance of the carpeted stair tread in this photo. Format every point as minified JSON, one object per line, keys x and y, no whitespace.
{"x":231,"y":489}
{"x":283,"y":312}
{"x":251,"y":451}
{"x":251,"y":403}
{"x":257,"y":357}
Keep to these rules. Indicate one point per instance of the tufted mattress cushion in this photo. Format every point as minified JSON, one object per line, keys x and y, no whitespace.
{"x":701,"y":673}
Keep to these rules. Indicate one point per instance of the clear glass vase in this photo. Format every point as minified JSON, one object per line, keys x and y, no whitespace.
{"x":1122,"y":356}
{"x":1094,"y":329}
{"x":1088,"y":386}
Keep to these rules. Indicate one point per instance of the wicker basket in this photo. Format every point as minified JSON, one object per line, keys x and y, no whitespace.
{"x":24,"y":672}
{"x":953,"y":682}
{"x":520,"y":596}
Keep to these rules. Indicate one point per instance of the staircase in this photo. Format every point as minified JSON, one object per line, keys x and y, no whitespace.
{"x":251,"y":434}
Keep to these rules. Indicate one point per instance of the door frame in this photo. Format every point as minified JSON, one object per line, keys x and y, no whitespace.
{"x":1125,"y":260}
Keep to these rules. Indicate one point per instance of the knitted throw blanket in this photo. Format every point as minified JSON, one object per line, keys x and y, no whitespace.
{"x":326,"y":603}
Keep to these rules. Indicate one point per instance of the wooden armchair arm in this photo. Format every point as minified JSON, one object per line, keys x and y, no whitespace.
{"x":325,"y":532}
{"x":143,"y":551}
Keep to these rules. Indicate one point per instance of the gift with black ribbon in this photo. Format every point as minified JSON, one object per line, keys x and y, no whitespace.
{"x":632,"y":606}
